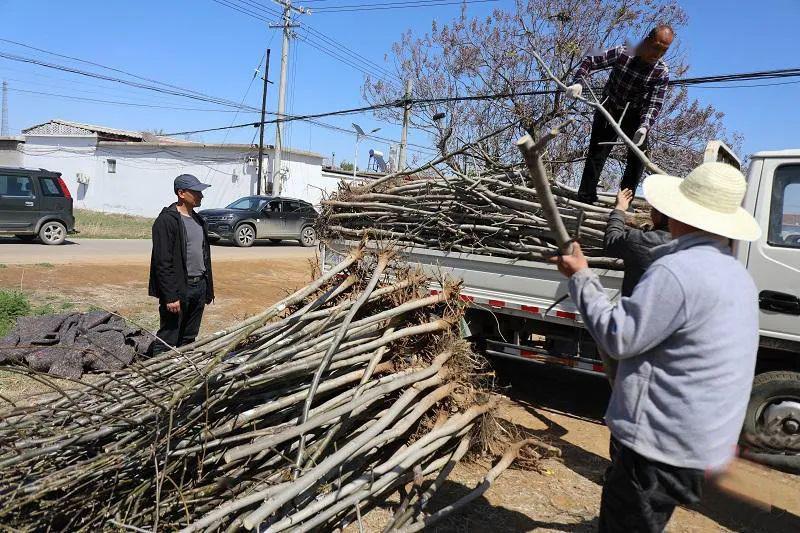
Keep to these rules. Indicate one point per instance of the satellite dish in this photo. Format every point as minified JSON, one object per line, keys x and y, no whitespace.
{"x":358,"y":129}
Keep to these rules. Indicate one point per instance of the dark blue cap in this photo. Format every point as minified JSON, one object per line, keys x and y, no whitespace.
{"x":187,"y":182}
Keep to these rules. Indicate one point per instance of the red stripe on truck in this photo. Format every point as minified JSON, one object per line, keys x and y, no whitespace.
{"x":564,"y":314}
{"x":530,"y":309}
{"x":497,"y":303}
{"x":466,"y":298}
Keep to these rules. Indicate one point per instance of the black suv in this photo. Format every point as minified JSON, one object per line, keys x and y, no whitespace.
{"x":262,"y":217}
{"x":35,"y":203}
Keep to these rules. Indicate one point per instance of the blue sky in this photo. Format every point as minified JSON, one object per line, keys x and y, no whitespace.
{"x":201,"y":45}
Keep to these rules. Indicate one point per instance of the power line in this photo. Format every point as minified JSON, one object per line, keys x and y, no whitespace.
{"x":314,"y":38}
{"x":244,"y":96}
{"x":328,"y":51}
{"x":186,"y":94}
{"x":243,"y":10}
{"x":106,"y":67}
{"x":422,"y":101}
{"x":396,"y":5}
{"x":288,"y":118}
{"x":129,"y":104}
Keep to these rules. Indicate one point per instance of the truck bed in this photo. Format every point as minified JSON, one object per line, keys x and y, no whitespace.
{"x":508,"y":286}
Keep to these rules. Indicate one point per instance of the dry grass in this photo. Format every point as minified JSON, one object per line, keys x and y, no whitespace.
{"x":98,"y":225}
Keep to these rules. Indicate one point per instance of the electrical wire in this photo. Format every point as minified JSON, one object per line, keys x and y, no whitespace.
{"x":106,"y":67}
{"x":315,"y":39}
{"x":185,"y":94}
{"x":128,"y":104}
{"x":335,"y":55}
{"x":783,"y":73}
{"x":244,"y":96}
{"x":287,"y":118}
{"x":396,"y":5}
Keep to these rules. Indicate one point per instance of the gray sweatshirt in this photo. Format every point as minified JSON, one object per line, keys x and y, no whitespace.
{"x":686,"y":341}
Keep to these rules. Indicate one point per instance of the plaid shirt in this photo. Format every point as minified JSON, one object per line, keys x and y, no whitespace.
{"x":631,"y":80}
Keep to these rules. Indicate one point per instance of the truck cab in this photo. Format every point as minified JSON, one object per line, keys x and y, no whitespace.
{"x":773,"y":197}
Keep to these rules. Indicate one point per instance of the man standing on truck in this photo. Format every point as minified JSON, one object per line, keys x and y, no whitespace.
{"x":686,"y":342}
{"x":636,"y":87}
{"x":180,"y":266}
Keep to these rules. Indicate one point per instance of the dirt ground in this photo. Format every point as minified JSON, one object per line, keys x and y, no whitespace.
{"x":242,"y":288}
{"x":565,"y":409}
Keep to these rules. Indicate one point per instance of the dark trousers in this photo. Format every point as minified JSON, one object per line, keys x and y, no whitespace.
{"x":640,"y":495}
{"x":596,"y":158}
{"x":179,"y":329}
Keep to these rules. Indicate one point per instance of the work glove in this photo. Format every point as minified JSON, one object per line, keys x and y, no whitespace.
{"x":638,"y":137}
{"x":575,"y":90}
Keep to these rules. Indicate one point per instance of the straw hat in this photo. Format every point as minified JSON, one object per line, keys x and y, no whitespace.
{"x":709,"y":198}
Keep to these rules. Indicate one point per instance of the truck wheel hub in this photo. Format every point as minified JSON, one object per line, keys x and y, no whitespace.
{"x":784,"y":415}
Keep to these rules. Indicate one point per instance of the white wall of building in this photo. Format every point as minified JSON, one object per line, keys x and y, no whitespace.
{"x":10,"y":155}
{"x":68,"y":155}
{"x":142,"y":183}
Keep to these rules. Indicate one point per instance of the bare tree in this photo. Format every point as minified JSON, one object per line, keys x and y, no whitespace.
{"x":469,"y":57}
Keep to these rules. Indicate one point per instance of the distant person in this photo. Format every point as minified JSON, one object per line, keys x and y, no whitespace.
{"x":638,"y":79}
{"x":180,"y":266}
{"x":686,"y":341}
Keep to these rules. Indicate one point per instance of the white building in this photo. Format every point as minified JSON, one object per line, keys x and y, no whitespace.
{"x":131,"y":172}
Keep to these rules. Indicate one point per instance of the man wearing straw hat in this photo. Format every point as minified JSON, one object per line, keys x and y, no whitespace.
{"x":686,"y":342}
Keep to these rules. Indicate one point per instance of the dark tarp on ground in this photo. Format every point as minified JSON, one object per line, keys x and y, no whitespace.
{"x":66,"y":345}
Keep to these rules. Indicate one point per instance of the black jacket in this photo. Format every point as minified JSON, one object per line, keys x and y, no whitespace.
{"x":632,"y":246}
{"x":168,"y":276}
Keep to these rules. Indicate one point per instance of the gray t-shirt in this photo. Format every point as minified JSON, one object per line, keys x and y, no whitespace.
{"x":195,"y":265}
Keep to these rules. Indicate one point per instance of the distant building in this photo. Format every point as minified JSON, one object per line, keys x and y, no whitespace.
{"x":10,"y":153}
{"x":131,"y":172}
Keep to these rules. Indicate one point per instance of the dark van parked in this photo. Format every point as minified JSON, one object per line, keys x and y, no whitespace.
{"x":35,"y":203}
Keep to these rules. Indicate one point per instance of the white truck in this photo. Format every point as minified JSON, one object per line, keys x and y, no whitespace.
{"x":507,"y":300}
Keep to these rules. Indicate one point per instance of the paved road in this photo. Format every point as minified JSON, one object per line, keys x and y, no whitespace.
{"x":130,"y":251}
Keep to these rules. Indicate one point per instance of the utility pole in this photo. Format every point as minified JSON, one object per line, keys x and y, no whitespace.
{"x":4,"y":121}
{"x":286,"y":25}
{"x":404,"y":136}
{"x":261,"y":131}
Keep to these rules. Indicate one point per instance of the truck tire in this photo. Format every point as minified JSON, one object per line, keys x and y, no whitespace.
{"x":779,"y":461}
{"x":772,"y":420}
{"x":244,"y":236}
{"x":53,"y":233}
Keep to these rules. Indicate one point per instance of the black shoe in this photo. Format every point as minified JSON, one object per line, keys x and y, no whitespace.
{"x":587,"y":198}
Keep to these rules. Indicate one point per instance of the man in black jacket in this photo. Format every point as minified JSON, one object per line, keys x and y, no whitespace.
{"x":180,"y":266}
{"x":633,"y":245}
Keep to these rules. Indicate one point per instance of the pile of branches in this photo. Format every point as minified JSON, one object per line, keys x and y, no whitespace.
{"x":302,"y":417}
{"x":497,"y":214}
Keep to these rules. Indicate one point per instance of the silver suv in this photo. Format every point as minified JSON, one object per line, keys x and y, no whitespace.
{"x":35,"y":202}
